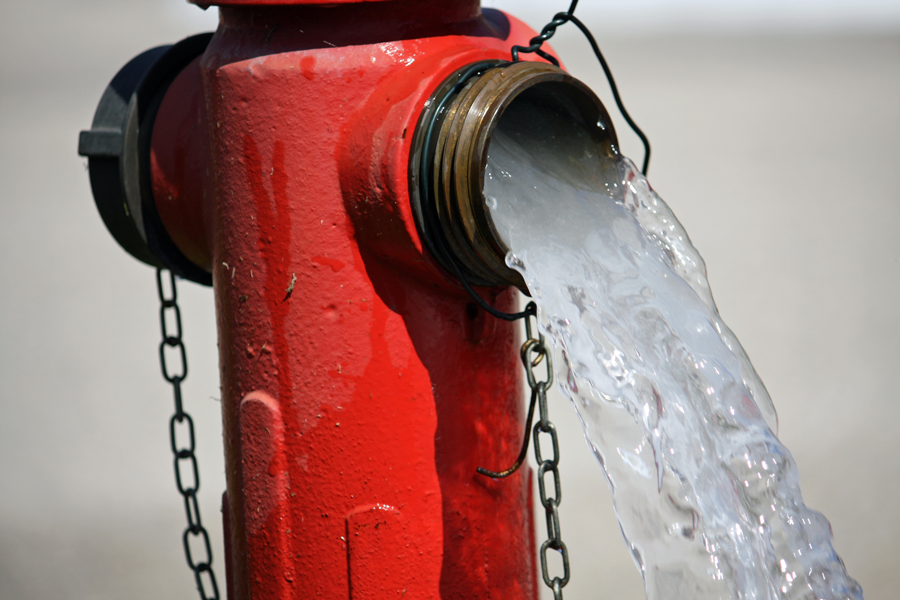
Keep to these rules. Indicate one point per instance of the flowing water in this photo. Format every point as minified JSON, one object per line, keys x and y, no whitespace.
{"x":706,"y":495}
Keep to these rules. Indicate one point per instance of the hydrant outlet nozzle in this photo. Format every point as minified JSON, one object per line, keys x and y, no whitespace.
{"x":450,"y":148}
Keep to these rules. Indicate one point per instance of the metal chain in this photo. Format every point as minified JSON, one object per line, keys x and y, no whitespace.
{"x":534,"y":351}
{"x":169,"y":308}
{"x":548,"y":31}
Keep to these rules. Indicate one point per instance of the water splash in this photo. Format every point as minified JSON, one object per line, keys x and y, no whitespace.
{"x":706,"y":495}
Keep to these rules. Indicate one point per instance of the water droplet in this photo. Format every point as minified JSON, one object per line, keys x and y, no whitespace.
{"x":514,"y":262}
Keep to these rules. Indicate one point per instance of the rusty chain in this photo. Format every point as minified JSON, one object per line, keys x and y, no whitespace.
{"x":169,"y":307}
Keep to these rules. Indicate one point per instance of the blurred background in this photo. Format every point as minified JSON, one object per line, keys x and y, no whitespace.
{"x":774,"y":127}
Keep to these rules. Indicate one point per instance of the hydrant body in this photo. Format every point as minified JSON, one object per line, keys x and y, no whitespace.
{"x":361,"y":387}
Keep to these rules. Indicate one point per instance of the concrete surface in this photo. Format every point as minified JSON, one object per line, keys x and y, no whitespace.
{"x":777,"y":152}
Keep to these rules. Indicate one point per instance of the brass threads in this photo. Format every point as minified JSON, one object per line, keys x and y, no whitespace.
{"x":449,"y":155}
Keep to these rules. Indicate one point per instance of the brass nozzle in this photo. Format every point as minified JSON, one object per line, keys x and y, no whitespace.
{"x":450,"y":148}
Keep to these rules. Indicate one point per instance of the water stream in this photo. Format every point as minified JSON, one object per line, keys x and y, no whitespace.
{"x":706,"y":495}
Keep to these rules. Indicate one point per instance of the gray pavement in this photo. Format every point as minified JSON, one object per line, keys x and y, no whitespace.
{"x":777,"y":152}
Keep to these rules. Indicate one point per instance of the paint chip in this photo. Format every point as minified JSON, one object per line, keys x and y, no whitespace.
{"x":290,"y":288}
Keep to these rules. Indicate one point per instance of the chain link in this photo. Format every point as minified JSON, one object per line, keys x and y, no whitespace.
{"x":168,"y":310}
{"x":534,"y":351}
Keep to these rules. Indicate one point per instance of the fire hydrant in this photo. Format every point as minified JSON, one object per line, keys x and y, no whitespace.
{"x":361,"y":386}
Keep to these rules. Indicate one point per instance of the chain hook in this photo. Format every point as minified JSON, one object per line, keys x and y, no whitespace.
{"x":530,"y":343}
{"x":547,"y":32}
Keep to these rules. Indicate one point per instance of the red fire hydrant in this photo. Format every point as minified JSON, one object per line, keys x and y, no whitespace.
{"x":361,"y":387}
